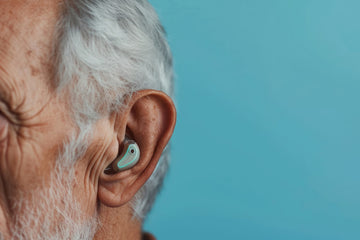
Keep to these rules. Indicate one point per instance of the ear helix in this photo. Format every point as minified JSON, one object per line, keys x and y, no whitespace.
{"x":127,"y":159}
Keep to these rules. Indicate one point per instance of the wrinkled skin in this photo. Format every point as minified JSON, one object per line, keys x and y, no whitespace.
{"x":30,"y":110}
{"x":35,"y":121}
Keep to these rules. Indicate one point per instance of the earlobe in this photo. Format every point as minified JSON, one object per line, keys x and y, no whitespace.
{"x":150,"y":119}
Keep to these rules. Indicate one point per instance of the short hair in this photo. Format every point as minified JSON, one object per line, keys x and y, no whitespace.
{"x":105,"y":51}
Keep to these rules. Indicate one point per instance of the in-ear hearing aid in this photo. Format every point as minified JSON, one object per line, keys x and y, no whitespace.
{"x":128,"y":158}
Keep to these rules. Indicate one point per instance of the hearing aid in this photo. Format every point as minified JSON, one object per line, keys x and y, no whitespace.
{"x":127,"y":159}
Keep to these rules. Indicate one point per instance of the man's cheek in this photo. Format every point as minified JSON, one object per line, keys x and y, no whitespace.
{"x":14,"y":154}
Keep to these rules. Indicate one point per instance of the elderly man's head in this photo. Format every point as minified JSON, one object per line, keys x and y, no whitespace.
{"x":77,"y":77}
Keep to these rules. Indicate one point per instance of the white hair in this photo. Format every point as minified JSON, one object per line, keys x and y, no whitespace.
{"x":105,"y":51}
{"x":51,"y":211}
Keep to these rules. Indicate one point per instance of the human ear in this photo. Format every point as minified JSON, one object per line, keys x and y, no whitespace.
{"x":149,"y":120}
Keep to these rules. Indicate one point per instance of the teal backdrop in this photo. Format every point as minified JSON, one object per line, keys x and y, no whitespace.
{"x":267,"y":143}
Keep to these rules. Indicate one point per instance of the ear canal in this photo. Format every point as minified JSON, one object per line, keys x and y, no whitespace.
{"x":126,"y":160}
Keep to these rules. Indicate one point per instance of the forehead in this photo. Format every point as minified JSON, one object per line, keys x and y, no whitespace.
{"x":26,"y":36}
{"x":26,"y":27}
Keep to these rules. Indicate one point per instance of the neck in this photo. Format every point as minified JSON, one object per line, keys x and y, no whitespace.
{"x":117,"y":223}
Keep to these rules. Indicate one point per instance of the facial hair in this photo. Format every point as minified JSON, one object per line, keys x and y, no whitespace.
{"x":51,"y":212}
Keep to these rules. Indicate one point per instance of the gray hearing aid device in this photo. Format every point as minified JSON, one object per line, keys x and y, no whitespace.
{"x":128,"y":158}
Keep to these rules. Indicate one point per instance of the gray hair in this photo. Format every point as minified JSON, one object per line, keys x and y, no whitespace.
{"x":105,"y":51}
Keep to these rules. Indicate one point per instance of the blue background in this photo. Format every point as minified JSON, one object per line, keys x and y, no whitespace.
{"x":267,"y":139}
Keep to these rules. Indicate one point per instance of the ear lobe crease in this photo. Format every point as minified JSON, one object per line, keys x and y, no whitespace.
{"x":114,"y":194}
{"x":108,"y":198}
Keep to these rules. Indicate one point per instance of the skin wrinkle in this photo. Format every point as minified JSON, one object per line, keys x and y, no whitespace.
{"x":30,"y":162}
{"x":101,"y":154}
{"x":18,"y":155}
{"x":25,"y":135}
{"x":5,"y":209}
{"x":89,"y":179}
{"x":29,"y":117}
{"x":9,"y":209}
{"x":34,"y":150}
{"x":23,"y":110}
{"x":8,"y":93}
{"x":16,"y":101}
{"x":4,"y":128}
{"x":4,"y":111}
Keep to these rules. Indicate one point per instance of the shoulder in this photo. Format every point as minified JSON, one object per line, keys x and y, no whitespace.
{"x":148,"y":236}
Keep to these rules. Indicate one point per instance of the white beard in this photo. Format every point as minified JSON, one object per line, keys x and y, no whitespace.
{"x":51,"y":213}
